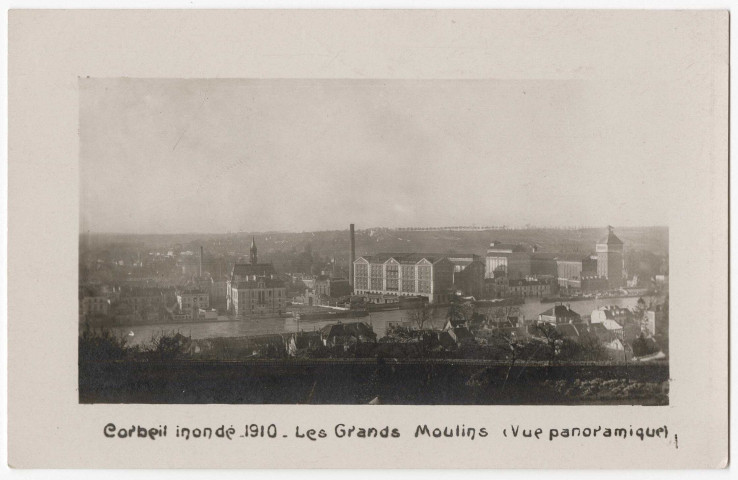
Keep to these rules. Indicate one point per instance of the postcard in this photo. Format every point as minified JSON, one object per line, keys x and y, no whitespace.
{"x":422,"y":239}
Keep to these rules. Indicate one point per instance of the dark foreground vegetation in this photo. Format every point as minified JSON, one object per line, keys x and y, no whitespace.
{"x":161,"y":372}
{"x":359,"y":383}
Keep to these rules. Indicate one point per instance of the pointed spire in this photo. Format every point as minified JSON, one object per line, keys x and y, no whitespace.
{"x":253,"y":251}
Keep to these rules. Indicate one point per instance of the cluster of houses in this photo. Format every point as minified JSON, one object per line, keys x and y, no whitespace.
{"x":130,"y":305}
{"x":340,"y":336}
{"x":616,"y":329}
{"x":380,"y":280}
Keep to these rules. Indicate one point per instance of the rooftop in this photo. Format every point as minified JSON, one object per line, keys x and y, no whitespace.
{"x":267,"y":281}
{"x":601,"y":331}
{"x":568,"y":330}
{"x":571,"y":257}
{"x":191,"y":291}
{"x":327,"y":278}
{"x":404,"y":258}
{"x":141,"y":291}
{"x":497,"y":246}
{"x":611,"y":325}
{"x":354,"y":329}
{"x":610,"y":238}
{"x":561,"y":311}
{"x":523,"y":283}
{"x":248,"y":269}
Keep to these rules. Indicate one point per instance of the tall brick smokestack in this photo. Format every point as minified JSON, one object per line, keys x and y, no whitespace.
{"x":201,"y":260}
{"x":353,"y":255}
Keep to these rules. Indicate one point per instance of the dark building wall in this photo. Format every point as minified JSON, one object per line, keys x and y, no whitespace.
{"x":589,"y":266}
{"x":543,"y":266}
{"x":518,"y":265}
{"x":333,"y":287}
{"x":471,"y":280}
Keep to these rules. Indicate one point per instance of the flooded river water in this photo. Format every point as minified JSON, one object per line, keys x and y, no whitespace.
{"x":142,"y":334}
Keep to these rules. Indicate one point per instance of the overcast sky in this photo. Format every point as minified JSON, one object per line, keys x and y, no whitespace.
{"x":176,"y":156}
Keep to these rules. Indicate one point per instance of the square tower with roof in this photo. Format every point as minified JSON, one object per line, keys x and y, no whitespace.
{"x":610,"y":259}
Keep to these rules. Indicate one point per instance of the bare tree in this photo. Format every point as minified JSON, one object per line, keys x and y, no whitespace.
{"x":468,"y":310}
{"x":553,"y":339}
{"x":420,"y":315}
{"x":501,"y":314}
{"x":456,"y":311}
{"x":515,"y":348}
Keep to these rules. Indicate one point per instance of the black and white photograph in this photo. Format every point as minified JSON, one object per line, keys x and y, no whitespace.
{"x":442,"y":242}
{"x":280,"y":239}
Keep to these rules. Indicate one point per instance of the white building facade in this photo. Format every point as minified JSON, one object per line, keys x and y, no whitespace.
{"x":409,"y":274}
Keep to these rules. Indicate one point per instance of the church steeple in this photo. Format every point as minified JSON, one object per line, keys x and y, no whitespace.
{"x":253,"y":251}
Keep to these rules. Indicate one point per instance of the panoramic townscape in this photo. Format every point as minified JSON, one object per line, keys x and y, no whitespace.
{"x":258,"y":241}
{"x":561,"y":299}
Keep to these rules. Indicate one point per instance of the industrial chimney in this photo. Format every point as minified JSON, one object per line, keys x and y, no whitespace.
{"x":201,"y":261}
{"x":353,"y":255}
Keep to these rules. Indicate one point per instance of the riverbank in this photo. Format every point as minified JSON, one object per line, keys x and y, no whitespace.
{"x":583,"y":298}
{"x":179,"y":323}
{"x":379,"y":321}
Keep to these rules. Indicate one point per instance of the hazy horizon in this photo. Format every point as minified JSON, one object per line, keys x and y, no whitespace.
{"x":376,"y":227}
{"x":161,"y":156}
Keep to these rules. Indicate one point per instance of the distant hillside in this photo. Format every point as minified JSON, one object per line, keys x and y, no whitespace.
{"x":336,"y":243}
{"x":653,"y":239}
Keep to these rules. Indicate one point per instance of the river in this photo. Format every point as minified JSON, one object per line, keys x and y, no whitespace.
{"x":142,"y":334}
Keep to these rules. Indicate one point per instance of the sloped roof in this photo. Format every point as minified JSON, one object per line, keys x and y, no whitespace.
{"x":464,"y":262}
{"x":522,"y":283}
{"x":568,"y":330}
{"x":268,"y":283}
{"x":405,"y":258}
{"x":611,"y":325}
{"x":462,"y":333}
{"x":456,"y":257}
{"x":615,"y":310}
{"x":267,"y":339}
{"x":511,"y":247}
{"x":326,"y":278}
{"x":571,"y":257}
{"x":248,"y":269}
{"x":306,"y":339}
{"x":560,"y":311}
{"x":354,"y":329}
{"x":608,"y":314}
{"x":141,"y":292}
{"x":601,"y":332}
{"x":610,"y":239}
{"x":191,"y":291}
{"x":452,"y":323}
